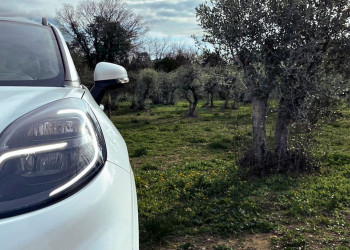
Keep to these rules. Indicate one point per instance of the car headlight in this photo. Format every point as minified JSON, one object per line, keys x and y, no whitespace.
{"x":48,"y":154}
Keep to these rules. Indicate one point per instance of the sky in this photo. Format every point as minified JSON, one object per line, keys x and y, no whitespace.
{"x":165,"y":18}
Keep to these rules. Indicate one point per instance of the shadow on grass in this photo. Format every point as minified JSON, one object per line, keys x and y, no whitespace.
{"x":214,"y":197}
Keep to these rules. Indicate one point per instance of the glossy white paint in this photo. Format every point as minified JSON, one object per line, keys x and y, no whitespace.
{"x":103,"y":215}
{"x":17,"y":101}
{"x":97,"y":217}
{"x":109,"y":71}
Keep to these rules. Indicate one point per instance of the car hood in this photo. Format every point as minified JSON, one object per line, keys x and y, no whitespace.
{"x":17,"y":101}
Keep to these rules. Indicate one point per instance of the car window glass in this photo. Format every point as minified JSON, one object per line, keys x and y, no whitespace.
{"x":27,"y":53}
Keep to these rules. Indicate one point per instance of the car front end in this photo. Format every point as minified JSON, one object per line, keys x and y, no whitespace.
{"x":65,"y":176}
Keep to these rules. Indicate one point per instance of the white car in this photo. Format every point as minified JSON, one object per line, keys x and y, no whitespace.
{"x":65,"y":176}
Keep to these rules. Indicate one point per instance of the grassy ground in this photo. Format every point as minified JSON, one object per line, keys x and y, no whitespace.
{"x":192,"y":194}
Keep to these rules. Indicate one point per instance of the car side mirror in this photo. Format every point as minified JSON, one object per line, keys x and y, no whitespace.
{"x":108,"y":76}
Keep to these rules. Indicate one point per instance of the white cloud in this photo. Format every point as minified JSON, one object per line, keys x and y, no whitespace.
{"x":32,"y":9}
{"x":164,"y":17}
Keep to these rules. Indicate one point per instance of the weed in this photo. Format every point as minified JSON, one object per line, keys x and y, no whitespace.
{"x":149,"y":167}
{"x":155,"y":229}
{"x":221,"y":144}
{"x":293,"y":240}
{"x":138,"y":152}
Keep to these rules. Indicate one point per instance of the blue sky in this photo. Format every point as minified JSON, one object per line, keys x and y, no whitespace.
{"x":172,"y":18}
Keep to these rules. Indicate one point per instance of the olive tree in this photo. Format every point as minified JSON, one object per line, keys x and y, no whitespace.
{"x":211,"y":81}
{"x":169,"y":85}
{"x":228,"y":85}
{"x":309,"y":30}
{"x":191,"y":85}
{"x":242,"y":31}
{"x":276,"y":44}
{"x":147,"y":86}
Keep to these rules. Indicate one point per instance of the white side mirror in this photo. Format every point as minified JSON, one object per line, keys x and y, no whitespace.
{"x":108,"y":76}
{"x":108,"y":71}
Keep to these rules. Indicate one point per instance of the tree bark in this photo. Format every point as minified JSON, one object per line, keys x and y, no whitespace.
{"x":142,"y":101}
{"x":281,"y":133}
{"x":227,"y":97}
{"x":193,"y":104}
{"x":211,"y":100}
{"x":260,"y":148}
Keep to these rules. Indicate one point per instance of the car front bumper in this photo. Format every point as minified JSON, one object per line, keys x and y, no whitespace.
{"x":103,"y":215}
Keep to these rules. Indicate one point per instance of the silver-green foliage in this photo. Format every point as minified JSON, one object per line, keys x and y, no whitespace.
{"x":147,"y":86}
{"x":276,"y":45}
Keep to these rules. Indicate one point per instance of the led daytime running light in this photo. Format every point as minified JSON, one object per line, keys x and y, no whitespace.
{"x":31,"y":150}
{"x":95,"y":144}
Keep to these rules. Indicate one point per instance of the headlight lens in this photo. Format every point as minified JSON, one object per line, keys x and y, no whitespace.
{"x":48,"y":154}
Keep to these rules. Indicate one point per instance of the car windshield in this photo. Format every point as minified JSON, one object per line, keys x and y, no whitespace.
{"x":29,"y":56}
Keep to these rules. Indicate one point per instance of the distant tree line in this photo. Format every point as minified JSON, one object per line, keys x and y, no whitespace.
{"x":161,"y":71}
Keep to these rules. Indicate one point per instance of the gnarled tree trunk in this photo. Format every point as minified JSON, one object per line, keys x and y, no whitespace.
{"x":193,"y":104}
{"x":260,"y":148}
{"x":227,"y":98}
{"x":211,"y":100}
{"x":281,"y":133}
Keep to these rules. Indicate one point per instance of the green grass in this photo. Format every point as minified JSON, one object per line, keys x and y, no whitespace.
{"x":188,"y":182}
